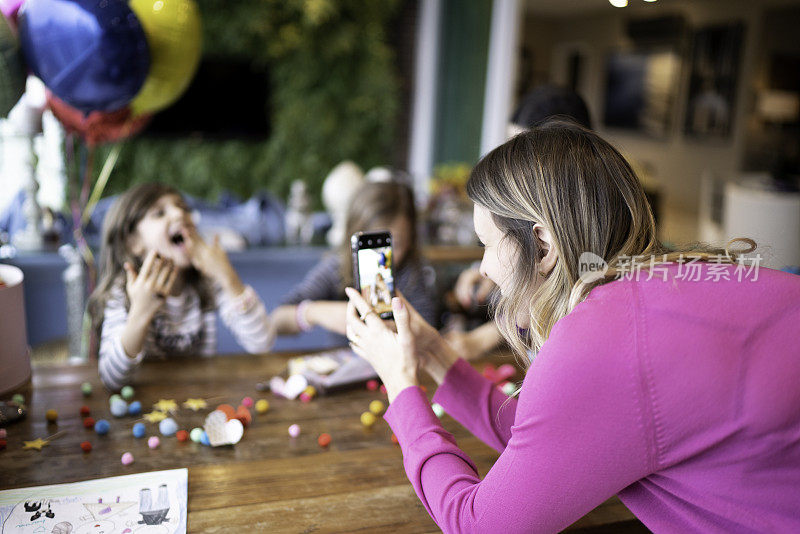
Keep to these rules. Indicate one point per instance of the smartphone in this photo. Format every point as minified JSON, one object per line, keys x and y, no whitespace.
{"x":373,"y":269}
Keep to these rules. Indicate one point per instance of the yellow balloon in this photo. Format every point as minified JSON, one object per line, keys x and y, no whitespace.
{"x":172,"y":29}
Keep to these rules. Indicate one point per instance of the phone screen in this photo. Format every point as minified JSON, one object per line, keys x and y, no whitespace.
{"x":375,"y":273}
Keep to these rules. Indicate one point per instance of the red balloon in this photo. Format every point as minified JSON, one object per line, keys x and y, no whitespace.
{"x":98,"y":127}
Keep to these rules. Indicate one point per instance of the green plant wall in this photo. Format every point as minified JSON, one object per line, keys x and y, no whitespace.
{"x":335,"y":95}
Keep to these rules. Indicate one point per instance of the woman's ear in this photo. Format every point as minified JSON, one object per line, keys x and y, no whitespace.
{"x":545,"y":239}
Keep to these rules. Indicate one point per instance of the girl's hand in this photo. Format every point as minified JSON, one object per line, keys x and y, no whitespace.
{"x":212,"y":261}
{"x":147,"y":288}
{"x":472,"y":289}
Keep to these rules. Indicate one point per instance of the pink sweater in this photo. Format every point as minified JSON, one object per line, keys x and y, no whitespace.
{"x":681,"y":397}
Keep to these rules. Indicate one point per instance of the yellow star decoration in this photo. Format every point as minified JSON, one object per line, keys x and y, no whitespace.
{"x":166,"y":405}
{"x":37,"y":444}
{"x":195,"y":404}
{"x":155,"y":417}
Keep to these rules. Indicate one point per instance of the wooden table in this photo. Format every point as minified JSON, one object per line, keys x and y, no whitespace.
{"x":268,"y":482}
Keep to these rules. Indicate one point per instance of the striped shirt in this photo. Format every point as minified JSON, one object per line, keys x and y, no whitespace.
{"x":180,"y":327}
{"x":324,"y":282}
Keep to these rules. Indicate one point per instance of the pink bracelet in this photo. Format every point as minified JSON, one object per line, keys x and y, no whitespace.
{"x":300,"y":316}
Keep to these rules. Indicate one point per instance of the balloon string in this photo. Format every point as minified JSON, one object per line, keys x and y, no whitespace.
{"x":102,"y":180}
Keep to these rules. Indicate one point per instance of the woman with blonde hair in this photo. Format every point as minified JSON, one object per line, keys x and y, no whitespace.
{"x":667,"y":377}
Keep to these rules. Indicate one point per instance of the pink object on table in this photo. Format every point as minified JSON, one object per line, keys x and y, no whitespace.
{"x":294,"y":430}
{"x":127,"y":459}
{"x":3,"y":433}
{"x":247,"y":402}
{"x":153,"y":442}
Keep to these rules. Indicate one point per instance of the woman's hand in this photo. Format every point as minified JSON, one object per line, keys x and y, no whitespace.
{"x":388,"y":352}
{"x":147,"y":288}
{"x":212,"y":261}
{"x":416,"y":343}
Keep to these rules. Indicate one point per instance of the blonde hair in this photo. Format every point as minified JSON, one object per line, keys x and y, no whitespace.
{"x":575,"y":184}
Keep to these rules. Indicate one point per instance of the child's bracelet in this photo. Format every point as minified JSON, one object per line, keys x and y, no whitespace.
{"x":300,"y":316}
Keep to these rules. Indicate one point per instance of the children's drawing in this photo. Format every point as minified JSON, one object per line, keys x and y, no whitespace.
{"x":143,"y":503}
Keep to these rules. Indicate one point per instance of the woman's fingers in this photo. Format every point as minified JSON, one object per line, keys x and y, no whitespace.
{"x":364,"y":309}
{"x":401,"y":319}
{"x":355,"y":328}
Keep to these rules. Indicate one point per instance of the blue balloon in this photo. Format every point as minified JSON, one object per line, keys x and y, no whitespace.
{"x":92,"y":54}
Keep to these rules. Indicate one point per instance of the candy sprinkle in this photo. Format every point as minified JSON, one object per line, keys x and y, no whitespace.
{"x":196,"y":434}
{"x":247,"y":402}
{"x":126,"y":392}
{"x":368,"y":419}
{"x":127,"y":458}
{"x":51,"y":416}
{"x":86,"y":389}
{"x":139,"y":430}
{"x":102,"y":427}
{"x":372,"y":385}
{"x":153,"y":442}
{"x":182,"y":435}
{"x":324,"y":440}
{"x":88,"y":423}
{"x":262,"y":405}
{"x":86,"y":446}
{"x":294,"y":430}
{"x":376,"y":407}
{"x":85,"y":411}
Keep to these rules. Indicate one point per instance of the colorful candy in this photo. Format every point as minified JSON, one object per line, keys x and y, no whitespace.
{"x":247,"y":402}
{"x":3,"y":433}
{"x":135,"y":408}
{"x":139,"y":430}
{"x":167,"y":427}
{"x":244,"y":415}
{"x":509,"y":388}
{"x":102,"y":427}
{"x":88,"y":423}
{"x":262,"y":405}
{"x":368,"y":419}
{"x":126,"y":392}
{"x":86,"y":446}
{"x":85,"y":411}
{"x":153,"y":442}
{"x":376,"y":407}
{"x":86,"y":389}
{"x":182,"y":435}
{"x":51,"y":415}
{"x":204,"y":439}
{"x":196,"y":434}
{"x":294,"y":430}
{"x":305,"y":397}
{"x":324,"y":440}
{"x":119,"y":408}
{"x":372,"y":385}
{"x":19,"y":399}
{"x":114,"y":397}
{"x":127,"y":458}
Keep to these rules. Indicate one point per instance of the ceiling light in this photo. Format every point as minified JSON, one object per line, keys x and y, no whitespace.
{"x":618,"y":3}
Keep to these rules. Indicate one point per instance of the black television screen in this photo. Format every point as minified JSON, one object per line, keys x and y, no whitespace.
{"x":228,"y":98}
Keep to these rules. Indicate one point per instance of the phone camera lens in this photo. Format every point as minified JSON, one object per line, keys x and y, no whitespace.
{"x":380,"y":241}
{"x":369,"y":242}
{"x":360,"y":243}
{"x":388,"y":240}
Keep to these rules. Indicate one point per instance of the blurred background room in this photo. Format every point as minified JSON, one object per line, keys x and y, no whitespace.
{"x":267,"y":115}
